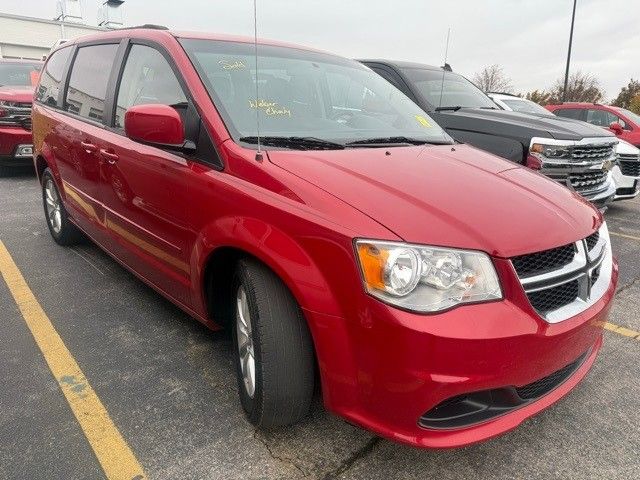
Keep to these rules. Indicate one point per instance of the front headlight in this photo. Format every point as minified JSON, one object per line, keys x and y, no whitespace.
{"x":551,"y":151}
{"x":426,"y":279}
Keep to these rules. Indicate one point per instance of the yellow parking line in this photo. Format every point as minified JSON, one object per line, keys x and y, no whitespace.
{"x":624,"y":235}
{"x":622,"y":330}
{"x":115,"y":456}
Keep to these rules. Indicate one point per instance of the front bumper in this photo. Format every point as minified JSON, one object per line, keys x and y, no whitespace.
{"x":16,"y":147}
{"x":626,"y":186}
{"x":386,"y":368}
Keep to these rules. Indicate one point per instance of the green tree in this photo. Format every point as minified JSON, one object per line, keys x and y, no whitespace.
{"x":541,"y":97}
{"x":634,"y":104}
{"x":627,"y":94}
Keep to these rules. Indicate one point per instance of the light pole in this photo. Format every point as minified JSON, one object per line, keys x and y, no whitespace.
{"x":566,"y":73}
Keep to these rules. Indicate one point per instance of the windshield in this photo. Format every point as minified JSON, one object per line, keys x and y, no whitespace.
{"x":305,"y":94}
{"x":456,"y":90}
{"x":19,"y":74}
{"x":525,"y":106}
{"x":634,"y":117}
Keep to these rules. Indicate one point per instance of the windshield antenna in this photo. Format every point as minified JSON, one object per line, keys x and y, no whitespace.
{"x":444,"y":67}
{"x":255,"y":51}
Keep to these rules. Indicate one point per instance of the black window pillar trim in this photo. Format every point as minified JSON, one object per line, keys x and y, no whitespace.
{"x":114,"y":81}
{"x":213,"y":156}
{"x":62,"y":93}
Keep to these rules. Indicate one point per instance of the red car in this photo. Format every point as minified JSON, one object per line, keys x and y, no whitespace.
{"x":439,"y":295}
{"x":17,"y":80}
{"x":624,"y":123}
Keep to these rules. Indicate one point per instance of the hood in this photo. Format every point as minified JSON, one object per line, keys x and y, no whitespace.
{"x":517,"y":124}
{"x":455,"y":196}
{"x":17,"y":94}
{"x":625,"y":148}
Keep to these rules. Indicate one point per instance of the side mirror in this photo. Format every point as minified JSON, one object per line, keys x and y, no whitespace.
{"x":154,"y":124}
{"x":617,"y":128}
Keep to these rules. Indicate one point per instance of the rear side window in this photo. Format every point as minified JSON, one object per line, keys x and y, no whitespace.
{"x":49,"y":87}
{"x":88,"y":82}
{"x":147,"y":78}
{"x":574,"y":113}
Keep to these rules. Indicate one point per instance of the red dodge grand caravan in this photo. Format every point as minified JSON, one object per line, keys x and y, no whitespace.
{"x":439,"y":295}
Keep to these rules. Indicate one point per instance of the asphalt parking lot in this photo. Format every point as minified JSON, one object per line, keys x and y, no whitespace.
{"x":169,"y":389}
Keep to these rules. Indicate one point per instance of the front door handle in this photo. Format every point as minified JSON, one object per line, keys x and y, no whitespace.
{"x":110,"y":157}
{"x":89,"y":147}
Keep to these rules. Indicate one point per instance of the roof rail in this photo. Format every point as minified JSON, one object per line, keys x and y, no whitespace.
{"x":504,"y":93}
{"x":149,"y":26}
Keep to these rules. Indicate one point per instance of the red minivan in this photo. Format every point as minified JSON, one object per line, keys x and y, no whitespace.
{"x":439,"y":295}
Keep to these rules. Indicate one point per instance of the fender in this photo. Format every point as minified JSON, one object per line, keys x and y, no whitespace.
{"x":315,"y":294}
{"x":279,"y":251}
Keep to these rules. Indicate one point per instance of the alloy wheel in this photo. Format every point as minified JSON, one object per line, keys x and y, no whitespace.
{"x":52,"y":200}
{"x":245,"y":342}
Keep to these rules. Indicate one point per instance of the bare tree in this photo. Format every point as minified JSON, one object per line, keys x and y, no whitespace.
{"x":582,"y":87}
{"x":493,"y":79}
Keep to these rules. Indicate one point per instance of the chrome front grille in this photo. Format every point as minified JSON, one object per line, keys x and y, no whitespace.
{"x":565,"y":281}
{"x":588,"y":181}
{"x":592,"y":152}
{"x":16,"y":114}
{"x":629,"y":165}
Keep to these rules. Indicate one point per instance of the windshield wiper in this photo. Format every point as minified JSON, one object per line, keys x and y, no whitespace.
{"x":443,"y":109}
{"x":384,"y":141}
{"x":297,"y":143}
{"x":488,"y":108}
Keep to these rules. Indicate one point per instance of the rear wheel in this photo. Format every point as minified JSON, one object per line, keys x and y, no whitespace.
{"x":62,"y":230}
{"x":273,"y":348}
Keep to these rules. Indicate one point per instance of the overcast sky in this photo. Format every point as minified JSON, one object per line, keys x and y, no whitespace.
{"x":528,"y":38}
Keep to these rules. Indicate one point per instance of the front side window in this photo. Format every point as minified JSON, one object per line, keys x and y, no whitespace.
{"x":88,"y":81}
{"x":634,"y":117}
{"x":49,"y":88}
{"x":147,"y":79}
{"x":19,"y":74}
{"x":305,"y":94}
{"x":446,"y":89}
{"x":604,"y":118}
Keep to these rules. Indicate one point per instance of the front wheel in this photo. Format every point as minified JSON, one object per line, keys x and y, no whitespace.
{"x":62,"y":230}
{"x":273,"y":349}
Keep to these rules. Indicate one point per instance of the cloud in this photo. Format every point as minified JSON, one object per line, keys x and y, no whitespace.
{"x":527,"y":38}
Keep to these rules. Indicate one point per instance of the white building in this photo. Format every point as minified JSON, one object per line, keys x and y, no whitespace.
{"x":32,"y":38}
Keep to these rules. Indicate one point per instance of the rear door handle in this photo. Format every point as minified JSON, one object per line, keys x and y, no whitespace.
{"x":110,"y":157}
{"x":89,"y":147}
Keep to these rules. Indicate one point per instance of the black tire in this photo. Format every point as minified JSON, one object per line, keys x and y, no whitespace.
{"x":3,"y":171}
{"x":282,"y":348}
{"x":68,"y":234}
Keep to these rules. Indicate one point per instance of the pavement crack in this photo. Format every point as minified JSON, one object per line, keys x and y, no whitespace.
{"x":280,"y":458}
{"x":359,"y":454}
{"x":627,"y":285}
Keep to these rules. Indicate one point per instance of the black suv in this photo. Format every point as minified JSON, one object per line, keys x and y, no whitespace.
{"x":571,"y":152}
